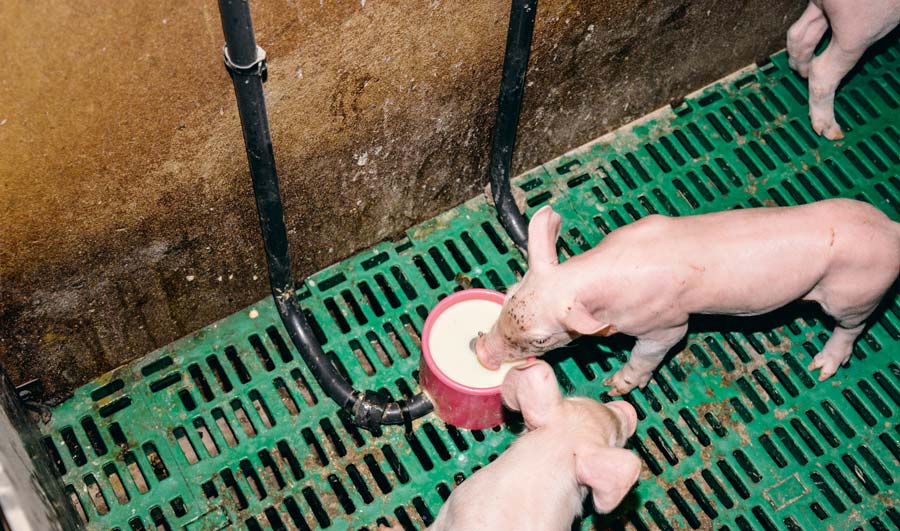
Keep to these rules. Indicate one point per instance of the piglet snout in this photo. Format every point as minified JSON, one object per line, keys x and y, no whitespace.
{"x":628,"y":413}
{"x":483,"y":353}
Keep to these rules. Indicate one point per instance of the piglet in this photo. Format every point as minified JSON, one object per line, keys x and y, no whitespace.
{"x":855,"y":25}
{"x":646,"y":278}
{"x":570,"y":445}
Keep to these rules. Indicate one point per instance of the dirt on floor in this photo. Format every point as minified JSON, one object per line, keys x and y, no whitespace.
{"x":127,"y":215}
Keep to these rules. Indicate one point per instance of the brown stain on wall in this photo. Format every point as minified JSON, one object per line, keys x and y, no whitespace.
{"x":123,"y":174}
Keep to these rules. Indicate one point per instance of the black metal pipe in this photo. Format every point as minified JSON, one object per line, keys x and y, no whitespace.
{"x":509,"y":105}
{"x":246,"y":63}
{"x":240,"y":41}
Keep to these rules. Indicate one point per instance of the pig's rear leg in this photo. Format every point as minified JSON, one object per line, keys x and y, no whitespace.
{"x":646,"y":355}
{"x":803,"y":36}
{"x":839,"y":347}
{"x":825,"y":74}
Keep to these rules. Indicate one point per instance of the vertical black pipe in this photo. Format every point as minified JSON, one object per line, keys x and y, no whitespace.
{"x":246,"y":63}
{"x":240,"y":41}
{"x":509,"y":105}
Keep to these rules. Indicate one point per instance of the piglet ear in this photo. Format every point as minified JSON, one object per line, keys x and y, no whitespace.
{"x":543,"y":230}
{"x":609,"y":472}
{"x":533,"y":390}
{"x":583,"y":321}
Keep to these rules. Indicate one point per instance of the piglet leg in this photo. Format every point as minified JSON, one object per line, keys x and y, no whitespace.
{"x":647,"y":354}
{"x":803,"y":36}
{"x":837,"y":349}
{"x":825,"y":74}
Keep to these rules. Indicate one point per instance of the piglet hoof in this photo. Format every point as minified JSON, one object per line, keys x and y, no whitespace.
{"x":622,"y":385}
{"x":834,"y":133}
{"x":616,"y":392}
{"x":827,"y":364}
{"x":829,"y":129}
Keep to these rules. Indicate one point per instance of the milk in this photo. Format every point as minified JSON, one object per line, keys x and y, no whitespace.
{"x":450,"y":339}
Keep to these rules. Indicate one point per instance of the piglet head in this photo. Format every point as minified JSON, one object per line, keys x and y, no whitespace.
{"x":541,"y":312}
{"x":596,"y":430}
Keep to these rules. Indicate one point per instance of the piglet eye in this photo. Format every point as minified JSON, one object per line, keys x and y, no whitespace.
{"x":542,"y":340}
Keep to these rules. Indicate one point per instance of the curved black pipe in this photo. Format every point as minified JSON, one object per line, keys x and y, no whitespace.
{"x":509,"y":105}
{"x":246,"y":63}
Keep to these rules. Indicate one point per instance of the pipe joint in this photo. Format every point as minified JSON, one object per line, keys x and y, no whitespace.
{"x":256,"y":68}
{"x":368,"y":409}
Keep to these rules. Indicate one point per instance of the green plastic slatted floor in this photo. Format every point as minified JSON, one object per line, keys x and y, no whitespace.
{"x":228,"y":428}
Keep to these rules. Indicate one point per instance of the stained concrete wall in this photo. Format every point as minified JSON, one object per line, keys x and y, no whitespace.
{"x":127,"y":216}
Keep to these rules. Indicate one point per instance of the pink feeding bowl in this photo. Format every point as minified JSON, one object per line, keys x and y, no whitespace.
{"x":451,"y":325}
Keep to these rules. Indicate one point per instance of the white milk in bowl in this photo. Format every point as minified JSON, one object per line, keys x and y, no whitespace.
{"x":450,"y":343}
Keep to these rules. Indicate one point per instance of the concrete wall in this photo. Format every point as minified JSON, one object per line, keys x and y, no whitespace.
{"x":127,"y":216}
{"x":31,"y":494}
